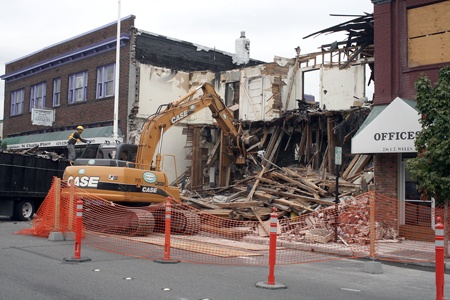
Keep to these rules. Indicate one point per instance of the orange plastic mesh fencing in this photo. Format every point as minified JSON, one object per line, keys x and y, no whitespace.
{"x":405,"y":230}
{"x":200,"y":237}
{"x":44,"y":222}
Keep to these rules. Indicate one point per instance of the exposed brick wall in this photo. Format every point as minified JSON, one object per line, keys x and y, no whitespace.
{"x":385,"y":170}
{"x":164,"y":52}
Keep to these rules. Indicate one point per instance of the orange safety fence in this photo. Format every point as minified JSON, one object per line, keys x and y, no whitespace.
{"x":369,"y":225}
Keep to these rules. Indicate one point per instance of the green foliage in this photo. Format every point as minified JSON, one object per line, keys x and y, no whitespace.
{"x":432,"y":165}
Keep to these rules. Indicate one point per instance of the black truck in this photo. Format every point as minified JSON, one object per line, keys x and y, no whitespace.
{"x":24,"y":183}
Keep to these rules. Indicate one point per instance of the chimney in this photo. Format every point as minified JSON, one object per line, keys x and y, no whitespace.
{"x":242,"y":50}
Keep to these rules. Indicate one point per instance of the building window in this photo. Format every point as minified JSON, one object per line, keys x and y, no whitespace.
{"x":17,"y":102}
{"x":428,"y":41}
{"x":105,"y":81}
{"x":37,"y":95}
{"x":78,"y":87}
{"x":56,"y":92}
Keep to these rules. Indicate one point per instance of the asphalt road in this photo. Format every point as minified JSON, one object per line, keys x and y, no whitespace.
{"x":34,"y":268}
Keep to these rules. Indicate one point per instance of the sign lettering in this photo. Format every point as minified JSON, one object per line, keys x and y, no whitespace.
{"x":179,"y":117}
{"x":148,"y":189}
{"x":84,"y":181}
{"x":395,"y":136}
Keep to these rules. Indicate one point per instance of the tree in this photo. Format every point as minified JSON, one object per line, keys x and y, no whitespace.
{"x":432,"y":164}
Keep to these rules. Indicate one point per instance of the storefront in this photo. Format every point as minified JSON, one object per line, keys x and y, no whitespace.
{"x":389,"y":133}
{"x":57,"y":141}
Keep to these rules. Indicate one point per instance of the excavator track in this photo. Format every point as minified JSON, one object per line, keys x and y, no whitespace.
{"x":114,"y":219}
{"x":182,"y":221}
{"x":104,"y":217}
{"x":143,"y":224}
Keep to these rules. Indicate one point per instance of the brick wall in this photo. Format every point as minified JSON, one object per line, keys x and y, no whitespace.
{"x":385,"y":170}
{"x":81,"y":41}
{"x":383,"y":49}
{"x":393,"y":77}
{"x":92,"y":111}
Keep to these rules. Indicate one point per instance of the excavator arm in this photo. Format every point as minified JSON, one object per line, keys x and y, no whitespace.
{"x":168,"y":115}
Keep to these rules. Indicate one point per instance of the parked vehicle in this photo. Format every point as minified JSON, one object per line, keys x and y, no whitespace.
{"x":24,"y":183}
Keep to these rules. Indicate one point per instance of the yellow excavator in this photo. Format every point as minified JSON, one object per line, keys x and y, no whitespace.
{"x":115,"y":176}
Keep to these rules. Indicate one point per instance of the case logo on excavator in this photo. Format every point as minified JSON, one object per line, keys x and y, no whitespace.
{"x":148,"y":189}
{"x":149,"y":177}
{"x":179,"y":117}
{"x":84,"y":181}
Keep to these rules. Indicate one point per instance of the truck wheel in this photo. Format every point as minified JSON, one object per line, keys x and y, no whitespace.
{"x":23,"y":210}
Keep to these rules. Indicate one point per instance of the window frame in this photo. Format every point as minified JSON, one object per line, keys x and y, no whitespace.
{"x":17,"y":105}
{"x":103,"y":81}
{"x":74,"y":89}
{"x":38,"y":95}
{"x":56,"y":92}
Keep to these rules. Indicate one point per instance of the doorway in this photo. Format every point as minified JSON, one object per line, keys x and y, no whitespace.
{"x":413,"y":210}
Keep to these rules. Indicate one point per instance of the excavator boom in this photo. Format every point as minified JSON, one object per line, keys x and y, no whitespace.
{"x":177,"y":111}
{"x":142,"y":182}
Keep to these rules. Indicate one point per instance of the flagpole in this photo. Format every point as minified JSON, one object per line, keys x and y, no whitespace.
{"x":116,"y":80}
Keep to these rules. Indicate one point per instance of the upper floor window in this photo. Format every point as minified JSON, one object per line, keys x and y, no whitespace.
{"x":78,"y":87}
{"x":428,"y":30}
{"x":17,"y":102}
{"x":56,"y":92}
{"x":37,"y":95}
{"x":105,"y":81}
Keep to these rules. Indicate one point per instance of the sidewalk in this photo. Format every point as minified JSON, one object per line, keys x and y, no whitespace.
{"x":405,"y":251}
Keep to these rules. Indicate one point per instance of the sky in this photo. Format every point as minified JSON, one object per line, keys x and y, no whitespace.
{"x":273,"y":28}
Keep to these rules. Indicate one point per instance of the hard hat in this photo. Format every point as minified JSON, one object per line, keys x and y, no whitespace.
{"x":80,"y":127}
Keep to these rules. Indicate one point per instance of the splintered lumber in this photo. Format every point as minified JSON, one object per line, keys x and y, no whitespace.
{"x":319,"y":235}
{"x":323,"y":165}
{"x":342,"y":240}
{"x":342,"y":183}
{"x":305,"y":181}
{"x":267,"y":231}
{"x":293,"y":197}
{"x":224,"y":213}
{"x":238,"y":204}
{"x":278,"y":185}
{"x":213,"y":153}
{"x":232,"y":232}
{"x":356,"y":166}
{"x":294,"y":205}
{"x":331,"y":142}
{"x":250,"y":195}
{"x":283,"y":193}
{"x":29,"y":150}
{"x":301,"y":145}
{"x":203,"y":204}
{"x":350,"y":166}
{"x":299,"y":184}
{"x":273,"y":145}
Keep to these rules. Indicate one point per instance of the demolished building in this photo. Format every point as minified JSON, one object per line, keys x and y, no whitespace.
{"x":268,"y":99}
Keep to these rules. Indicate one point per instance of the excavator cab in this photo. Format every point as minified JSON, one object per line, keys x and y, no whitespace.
{"x":109,"y":154}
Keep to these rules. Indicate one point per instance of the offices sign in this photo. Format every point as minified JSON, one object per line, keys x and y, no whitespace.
{"x":392,"y":130}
